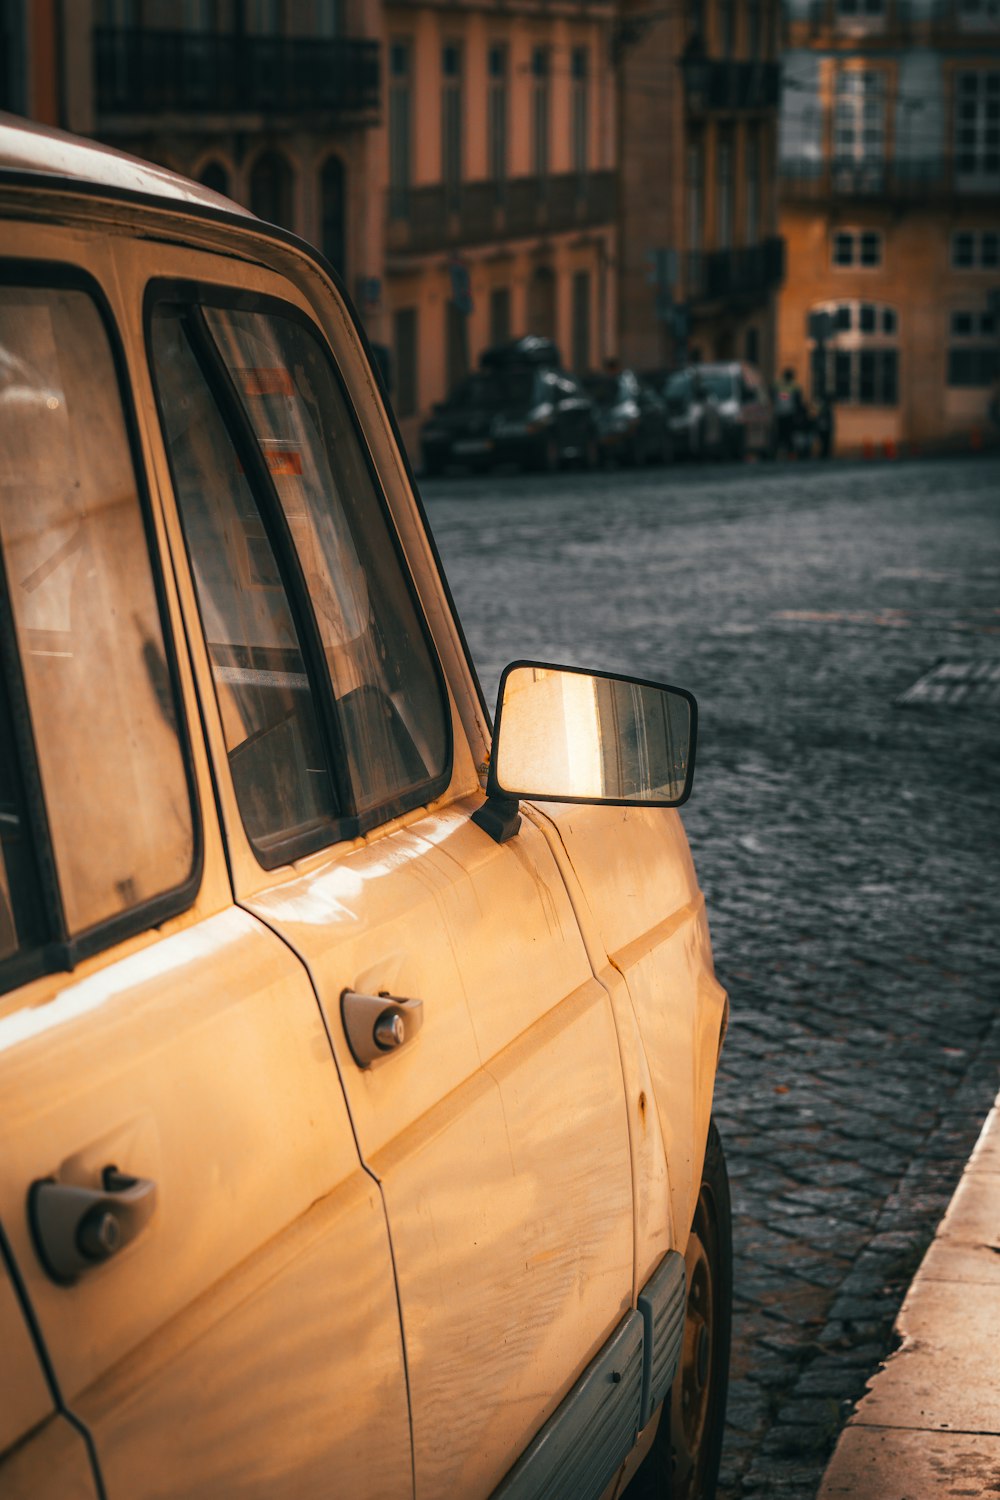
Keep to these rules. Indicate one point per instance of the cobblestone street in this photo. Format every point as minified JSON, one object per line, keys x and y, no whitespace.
{"x":847,"y":844}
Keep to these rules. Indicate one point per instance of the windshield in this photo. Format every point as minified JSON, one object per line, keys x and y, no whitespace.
{"x":605,"y":390}
{"x":679,"y":386}
{"x":496,"y":388}
{"x":718,"y":383}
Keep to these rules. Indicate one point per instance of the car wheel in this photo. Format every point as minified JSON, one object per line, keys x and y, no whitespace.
{"x":738,"y":445}
{"x":665,"y":454}
{"x":684,"y":1461}
{"x":592,"y":454}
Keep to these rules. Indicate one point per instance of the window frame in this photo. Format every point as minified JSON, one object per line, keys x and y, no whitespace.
{"x":347,"y":825}
{"x":59,"y":949}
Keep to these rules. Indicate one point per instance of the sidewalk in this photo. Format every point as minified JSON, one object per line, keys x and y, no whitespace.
{"x":929,"y":1424}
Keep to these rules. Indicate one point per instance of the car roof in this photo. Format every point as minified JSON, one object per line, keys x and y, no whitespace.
{"x":40,"y":149}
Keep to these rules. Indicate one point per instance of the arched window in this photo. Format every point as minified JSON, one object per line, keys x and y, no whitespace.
{"x":854,"y":352}
{"x":542,"y":303}
{"x":333,"y":213}
{"x":214,"y":175}
{"x":271,"y":189}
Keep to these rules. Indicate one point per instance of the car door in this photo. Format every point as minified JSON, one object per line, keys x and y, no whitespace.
{"x":206,"y":1261}
{"x":494,"y":1117}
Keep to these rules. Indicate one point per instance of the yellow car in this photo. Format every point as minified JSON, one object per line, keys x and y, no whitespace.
{"x":356,"y":1057}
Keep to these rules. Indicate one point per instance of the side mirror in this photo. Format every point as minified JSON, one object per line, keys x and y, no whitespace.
{"x":562,"y":734}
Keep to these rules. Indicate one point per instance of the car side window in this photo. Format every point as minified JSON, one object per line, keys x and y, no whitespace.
{"x":283,"y":783}
{"x":85,"y":616}
{"x":383,"y":730}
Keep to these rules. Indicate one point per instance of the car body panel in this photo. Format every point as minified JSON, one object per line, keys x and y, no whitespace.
{"x":451,"y":1236}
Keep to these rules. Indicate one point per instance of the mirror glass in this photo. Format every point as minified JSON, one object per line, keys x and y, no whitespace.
{"x":566,"y":735}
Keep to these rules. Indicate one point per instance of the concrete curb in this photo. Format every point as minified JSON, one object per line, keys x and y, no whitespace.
{"x":929,"y":1424}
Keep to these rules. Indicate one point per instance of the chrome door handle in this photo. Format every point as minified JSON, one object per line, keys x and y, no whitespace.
{"x":378,"y":1025}
{"x":77,"y":1228}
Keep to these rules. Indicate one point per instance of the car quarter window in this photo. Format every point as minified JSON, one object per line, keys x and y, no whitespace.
{"x":367,"y":734}
{"x":85,"y":617}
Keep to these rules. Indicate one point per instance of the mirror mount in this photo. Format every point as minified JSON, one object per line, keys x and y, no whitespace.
{"x":499,"y":817}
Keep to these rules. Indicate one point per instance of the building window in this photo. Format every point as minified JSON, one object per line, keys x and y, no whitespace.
{"x":977,"y":129}
{"x":973,"y":352}
{"x":753,"y":28}
{"x":581,"y":321}
{"x":724,"y":14}
{"x":496,"y":118}
{"x":859,"y":129}
{"x":400,"y":133}
{"x":975,"y":250}
{"x":499,"y":315}
{"x":404,"y":338}
{"x":580,"y":124}
{"x":752,"y":178}
{"x":456,"y":344}
{"x":264,"y":17}
{"x":857,"y":247}
{"x":540,"y":111}
{"x":724,"y":193}
{"x":859,"y":362}
{"x":853,"y":10}
{"x":327,"y":18}
{"x":451,"y":123}
{"x":214,"y":175}
{"x":694,"y":217}
{"x":979,"y":15}
{"x":332,"y":212}
{"x":271,"y":187}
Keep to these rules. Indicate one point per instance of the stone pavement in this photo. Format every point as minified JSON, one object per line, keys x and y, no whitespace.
{"x":846,"y":840}
{"x":929,"y":1426}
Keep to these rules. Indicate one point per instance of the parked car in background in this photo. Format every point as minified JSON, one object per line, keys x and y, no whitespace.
{"x":356,"y":1053}
{"x":528,"y":413}
{"x":692,"y":418}
{"x":631,"y":418}
{"x":745,"y":412}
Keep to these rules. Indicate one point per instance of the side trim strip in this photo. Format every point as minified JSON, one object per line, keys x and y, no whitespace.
{"x":661,"y":1304}
{"x":591,"y":1432}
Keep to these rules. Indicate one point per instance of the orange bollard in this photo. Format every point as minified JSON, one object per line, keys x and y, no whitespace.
{"x":976,"y":439}
{"x":889,"y":449}
{"x":867,"y":448}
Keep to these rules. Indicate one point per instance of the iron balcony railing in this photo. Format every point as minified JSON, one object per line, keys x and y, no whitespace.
{"x":748,"y":273}
{"x":140,"y":72}
{"x":439,"y":217}
{"x":900,"y":179}
{"x":710,"y":84}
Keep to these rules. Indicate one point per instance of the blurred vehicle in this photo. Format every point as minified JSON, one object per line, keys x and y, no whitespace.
{"x":692,"y":417}
{"x":530,"y":414}
{"x":746,"y":415}
{"x":793,"y":423}
{"x":631,"y":418}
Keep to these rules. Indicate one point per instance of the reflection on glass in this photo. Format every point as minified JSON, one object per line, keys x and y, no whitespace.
{"x":566,"y":734}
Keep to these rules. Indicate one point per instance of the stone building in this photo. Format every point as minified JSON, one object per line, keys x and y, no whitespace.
{"x":890,"y":187}
{"x":700,"y":259}
{"x":272,"y":102}
{"x":499,"y":126}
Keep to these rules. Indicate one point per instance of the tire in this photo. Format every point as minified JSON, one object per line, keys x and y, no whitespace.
{"x":683,"y":1463}
{"x":738,"y":445}
{"x":592,"y":454}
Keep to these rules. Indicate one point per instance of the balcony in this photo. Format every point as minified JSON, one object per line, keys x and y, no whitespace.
{"x":429,"y":219}
{"x":140,"y":72}
{"x":913,"y":179}
{"x":711,"y":85}
{"x":747,"y":274}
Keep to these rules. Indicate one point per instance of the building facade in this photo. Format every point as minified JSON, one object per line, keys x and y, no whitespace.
{"x":700,"y":259}
{"x":499,"y":144}
{"x":890,"y":184}
{"x":273,"y":102}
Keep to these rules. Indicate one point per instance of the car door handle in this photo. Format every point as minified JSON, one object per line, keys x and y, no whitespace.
{"x":78,"y":1228}
{"x":376,"y":1026}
